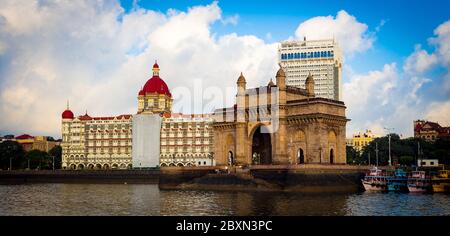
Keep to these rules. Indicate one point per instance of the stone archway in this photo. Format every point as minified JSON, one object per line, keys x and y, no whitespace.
{"x":80,"y":167}
{"x":91,"y":166}
{"x":332,"y":141}
{"x":230,"y":158}
{"x":331,"y":156}
{"x":300,"y":156}
{"x":98,"y":166}
{"x":261,"y":147}
{"x":73,"y":167}
{"x":106,"y":166}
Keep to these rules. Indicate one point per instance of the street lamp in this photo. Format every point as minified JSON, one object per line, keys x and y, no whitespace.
{"x":389,"y":136}
{"x":376,"y":151}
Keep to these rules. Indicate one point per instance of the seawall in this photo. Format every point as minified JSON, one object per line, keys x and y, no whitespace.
{"x":289,"y":178}
{"x":79,"y":176}
{"x":298,"y":178}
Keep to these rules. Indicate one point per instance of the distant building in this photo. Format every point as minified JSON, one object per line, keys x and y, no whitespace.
{"x":428,"y":162}
{"x":430,"y":131}
{"x":360,"y":140}
{"x":28,"y":142}
{"x":320,"y":58}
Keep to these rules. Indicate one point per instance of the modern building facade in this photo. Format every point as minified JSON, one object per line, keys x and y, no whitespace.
{"x":320,"y":58}
{"x":430,"y":131}
{"x":280,"y":124}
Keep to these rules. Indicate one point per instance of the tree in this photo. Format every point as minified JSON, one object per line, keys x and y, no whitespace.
{"x":406,"y":160}
{"x":56,"y":152}
{"x":353,"y":157}
{"x":11,"y":149}
{"x":38,"y":160}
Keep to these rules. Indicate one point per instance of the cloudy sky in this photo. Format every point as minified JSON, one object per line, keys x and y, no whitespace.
{"x":98,"y":53}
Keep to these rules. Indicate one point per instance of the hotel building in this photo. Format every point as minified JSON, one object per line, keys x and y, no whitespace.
{"x":320,"y":58}
{"x":96,"y":142}
{"x":187,"y":140}
{"x":154,"y":136}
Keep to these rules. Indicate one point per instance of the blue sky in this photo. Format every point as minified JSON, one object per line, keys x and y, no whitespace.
{"x":408,"y":22}
{"x":98,"y":54}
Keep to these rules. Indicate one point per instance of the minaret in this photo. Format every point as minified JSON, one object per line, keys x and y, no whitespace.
{"x":241,"y":83}
{"x":241,"y":127}
{"x":280,"y":151}
{"x":240,"y":98}
{"x":309,"y":85}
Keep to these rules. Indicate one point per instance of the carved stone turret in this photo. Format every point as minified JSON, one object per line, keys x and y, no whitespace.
{"x":281,"y":79}
{"x":309,"y":85}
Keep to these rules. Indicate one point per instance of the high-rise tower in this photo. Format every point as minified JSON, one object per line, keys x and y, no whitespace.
{"x":320,"y":58}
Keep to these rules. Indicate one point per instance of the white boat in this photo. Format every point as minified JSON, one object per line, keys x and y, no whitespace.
{"x":374,"y":180}
{"x":418,"y":182}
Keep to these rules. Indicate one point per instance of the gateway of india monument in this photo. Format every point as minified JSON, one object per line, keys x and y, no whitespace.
{"x":279,"y":124}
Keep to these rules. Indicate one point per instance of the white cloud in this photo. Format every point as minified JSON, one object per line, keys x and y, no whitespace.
{"x":439,"y":112}
{"x":98,"y":56}
{"x":352,"y":35}
{"x":362,"y":89}
{"x":442,"y":41}
{"x":419,"y":61}
{"x":231,"y":20}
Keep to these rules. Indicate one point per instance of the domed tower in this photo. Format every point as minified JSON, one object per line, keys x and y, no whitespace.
{"x":309,"y":85}
{"x":67,"y":114}
{"x":155,"y":96}
{"x":67,"y":120}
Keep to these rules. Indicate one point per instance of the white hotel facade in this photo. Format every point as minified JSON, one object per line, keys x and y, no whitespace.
{"x":154,"y":136}
{"x":320,"y":58}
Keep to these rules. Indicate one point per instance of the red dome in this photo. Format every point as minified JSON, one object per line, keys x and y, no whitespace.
{"x":155,"y":65}
{"x":67,"y":114}
{"x":156,"y":85}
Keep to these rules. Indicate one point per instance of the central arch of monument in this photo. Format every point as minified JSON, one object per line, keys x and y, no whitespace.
{"x":278,"y":125}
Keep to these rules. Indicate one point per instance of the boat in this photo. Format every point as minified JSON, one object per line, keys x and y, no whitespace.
{"x":397,"y":182}
{"x":419,"y":182}
{"x":375,"y":180}
{"x":441,"y":182}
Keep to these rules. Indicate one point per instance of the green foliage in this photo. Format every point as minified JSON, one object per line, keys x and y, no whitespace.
{"x":35,"y":158}
{"x":38,"y":160}
{"x":56,"y":151}
{"x":11,"y":150}
{"x":353,"y":157}
{"x":406,"y":151}
{"x":406,"y":160}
